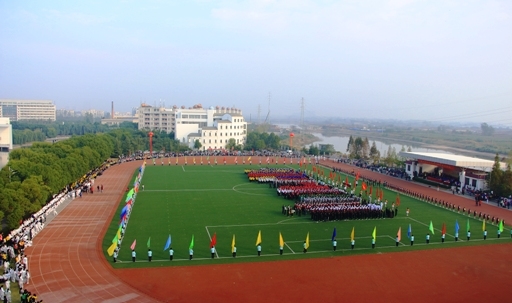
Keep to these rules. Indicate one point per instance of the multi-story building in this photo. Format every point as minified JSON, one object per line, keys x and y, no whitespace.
{"x":17,"y":110}
{"x":213,"y":127}
{"x":5,"y":135}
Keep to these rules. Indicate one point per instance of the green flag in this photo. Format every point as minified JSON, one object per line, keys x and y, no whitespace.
{"x":191,"y":243}
{"x":431,"y":227}
{"x":501,"y":226}
{"x":467,"y":225}
{"x":149,"y":242}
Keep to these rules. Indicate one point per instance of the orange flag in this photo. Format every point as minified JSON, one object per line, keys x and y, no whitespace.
{"x":364,"y":186}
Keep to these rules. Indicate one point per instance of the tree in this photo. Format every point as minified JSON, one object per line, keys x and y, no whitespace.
{"x":496,"y":177}
{"x":313,"y":150}
{"x":487,"y":130}
{"x":374,"y":153}
{"x":197,"y":144}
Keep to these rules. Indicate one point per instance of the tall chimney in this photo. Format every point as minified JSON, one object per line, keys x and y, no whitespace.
{"x":112,"y":114}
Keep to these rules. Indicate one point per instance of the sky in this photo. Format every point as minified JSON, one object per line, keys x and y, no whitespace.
{"x":441,"y":61}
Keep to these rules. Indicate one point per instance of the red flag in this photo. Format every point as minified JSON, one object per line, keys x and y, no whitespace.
{"x":443,"y":229}
{"x":381,"y":195}
{"x":214,"y":240}
{"x":364,"y":186}
{"x":371,"y":188}
{"x":346,"y":181}
{"x":132,"y":247}
{"x":357,"y":176}
{"x":397,"y":200}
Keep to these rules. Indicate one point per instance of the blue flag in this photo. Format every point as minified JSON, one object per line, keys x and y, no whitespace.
{"x":124,"y":211}
{"x":409,"y":231}
{"x":333,"y":234}
{"x":168,"y":243}
{"x":456,"y":226}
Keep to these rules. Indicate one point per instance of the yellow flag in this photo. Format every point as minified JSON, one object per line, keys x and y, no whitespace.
{"x":249,"y":159}
{"x":483,"y":226}
{"x":258,"y":239}
{"x":352,"y":234}
{"x":374,"y":233}
{"x":233,"y":244}
{"x":176,"y":160}
{"x":307,"y":241}
{"x":111,"y":249}
{"x":281,"y":240}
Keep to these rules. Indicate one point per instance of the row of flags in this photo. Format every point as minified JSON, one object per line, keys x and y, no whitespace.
{"x":259,"y":241}
{"x":125,"y":211}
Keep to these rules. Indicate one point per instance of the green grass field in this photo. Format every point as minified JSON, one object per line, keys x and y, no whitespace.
{"x":201,"y":200}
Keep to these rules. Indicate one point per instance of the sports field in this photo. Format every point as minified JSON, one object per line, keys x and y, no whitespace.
{"x":203,"y":200}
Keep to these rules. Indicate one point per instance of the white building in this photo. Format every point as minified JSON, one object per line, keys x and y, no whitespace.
{"x":5,"y":135}
{"x":448,"y":169}
{"x":213,"y":127}
{"x":18,"y":110}
{"x":5,"y":141}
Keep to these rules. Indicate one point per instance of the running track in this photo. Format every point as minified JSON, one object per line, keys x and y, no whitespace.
{"x":66,"y":262}
{"x":67,"y":265}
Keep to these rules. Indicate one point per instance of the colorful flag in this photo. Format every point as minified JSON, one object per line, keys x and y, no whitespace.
{"x":307,"y":241}
{"x":116,"y":238}
{"x":364,"y":186}
{"x":431,"y":227}
{"x":409,"y":231}
{"x":191,"y":246}
{"x":281,"y":240}
{"x":443,"y":229}
{"x":399,"y":234}
{"x":149,"y":242}
{"x":112,"y":248}
{"x":233,"y":244}
{"x":374,"y":233}
{"x":483,"y":225}
{"x":213,"y":242}
{"x":500,"y":226}
{"x":132,"y":247}
{"x":457,"y":227}
{"x":258,"y":239}
{"x":333,"y":234}
{"x":353,"y":234}
{"x":168,"y":243}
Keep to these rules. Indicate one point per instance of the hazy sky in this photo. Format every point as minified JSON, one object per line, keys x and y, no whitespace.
{"x":435,"y":60}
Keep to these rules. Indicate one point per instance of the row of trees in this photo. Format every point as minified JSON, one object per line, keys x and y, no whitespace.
{"x":34,"y":174}
{"x":25,"y":132}
{"x":261,"y":141}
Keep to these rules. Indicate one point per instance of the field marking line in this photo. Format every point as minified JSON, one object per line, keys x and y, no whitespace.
{"x":208,"y":232}
{"x":199,"y":189}
{"x":289,"y":247}
{"x":258,"y":224}
{"x":287,"y":220}
{"x":183,"y":168}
